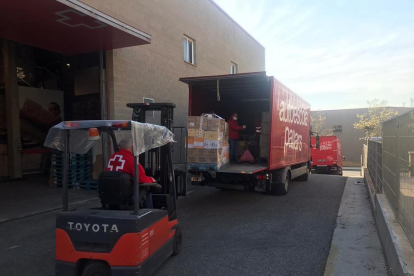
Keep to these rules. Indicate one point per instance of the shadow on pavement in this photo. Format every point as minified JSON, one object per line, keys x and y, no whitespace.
{"x":32,"y":196}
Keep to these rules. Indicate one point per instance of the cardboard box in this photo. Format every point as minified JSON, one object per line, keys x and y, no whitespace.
{"x":197,"y":122}
{"x":265,"y":128}
{"x":192,"y":159}
{"x":194,"y":132}
{"x":209,"y":156}
{"x":213,"y":144}
{"x":192,"y":152}
{"x":265,"y":117}
{"x":215,"y":124}
{"x":195,"y":142}
{"x":213,"y":135}
{"x":192,"y":155}
{"x":35,"y":113}
{"x":32,"y":132}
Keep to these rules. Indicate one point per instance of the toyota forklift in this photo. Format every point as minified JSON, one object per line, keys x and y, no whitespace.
{"x":120,"y":238}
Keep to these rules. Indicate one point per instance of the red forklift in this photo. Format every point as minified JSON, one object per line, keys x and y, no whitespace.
{"x":121,"y":237}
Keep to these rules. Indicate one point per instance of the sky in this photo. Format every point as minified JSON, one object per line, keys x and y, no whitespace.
{"x":336,"y":54}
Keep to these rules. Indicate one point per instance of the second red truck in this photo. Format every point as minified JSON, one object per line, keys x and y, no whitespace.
{"x":328,"y":157}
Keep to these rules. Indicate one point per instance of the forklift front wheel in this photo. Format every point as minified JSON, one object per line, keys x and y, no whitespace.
{"x":96,"y":268}
{"x":178,"y":239}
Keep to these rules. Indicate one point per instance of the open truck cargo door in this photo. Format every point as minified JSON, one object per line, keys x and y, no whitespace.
{"x":276,"y":120}
{"x":68,"y":27}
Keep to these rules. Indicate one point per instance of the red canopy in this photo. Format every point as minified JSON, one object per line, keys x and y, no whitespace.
{"x":65,"y":26}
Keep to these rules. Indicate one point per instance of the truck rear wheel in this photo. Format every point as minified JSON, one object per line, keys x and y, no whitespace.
{"x":279,"y":188}
{"x":284,"y":189}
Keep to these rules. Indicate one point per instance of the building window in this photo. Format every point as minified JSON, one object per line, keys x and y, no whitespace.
{"x":149,"y":114}
{"x":188,"y":50}
{"x":233,"y":68}
{"x":337,"y":128}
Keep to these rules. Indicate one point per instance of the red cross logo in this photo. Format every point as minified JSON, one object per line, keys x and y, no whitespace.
{"x":118,"y":164}
{"x":75,"y":19}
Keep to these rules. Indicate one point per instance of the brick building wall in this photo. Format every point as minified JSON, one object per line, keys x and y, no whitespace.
{"x":350,"y":137}
{"x":153,"y":70}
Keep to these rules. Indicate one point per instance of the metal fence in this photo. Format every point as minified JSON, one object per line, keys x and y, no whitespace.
{"x":398,"y":169}
{"x":374,"y":164}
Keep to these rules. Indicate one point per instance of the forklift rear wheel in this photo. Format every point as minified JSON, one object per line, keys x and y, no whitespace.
{"x":96,"y":268}
{"x":178,"y":239}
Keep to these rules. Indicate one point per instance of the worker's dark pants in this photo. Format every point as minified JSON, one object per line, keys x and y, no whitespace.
{"x":148,"y":203}
{"x":233,"y":148}
{"x":145,"y":199}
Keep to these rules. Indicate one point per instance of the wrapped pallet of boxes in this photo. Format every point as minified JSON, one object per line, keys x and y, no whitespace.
{"x":196,"y":122}
{"x":195,"y":126}
{"x":264,"y":135}
{"x":192,"y":155}
{"x":213,"y":132}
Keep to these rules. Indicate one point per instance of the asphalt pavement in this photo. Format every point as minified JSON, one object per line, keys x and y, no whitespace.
{"x":225,"y":233}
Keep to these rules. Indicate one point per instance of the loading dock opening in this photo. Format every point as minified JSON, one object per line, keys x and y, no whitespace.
{"x":53,"y":51}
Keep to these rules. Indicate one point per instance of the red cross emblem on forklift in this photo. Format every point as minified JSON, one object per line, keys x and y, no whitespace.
{"x":116,"y":162}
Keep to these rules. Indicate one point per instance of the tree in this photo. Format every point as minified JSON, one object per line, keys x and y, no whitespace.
{"x":371,"y":122}
{"x":318,"y":124}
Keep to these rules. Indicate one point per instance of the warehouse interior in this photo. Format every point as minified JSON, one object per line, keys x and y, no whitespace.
{"x":71,"y":83}
{"x":53,"y":57}
{"x":59,"y":50}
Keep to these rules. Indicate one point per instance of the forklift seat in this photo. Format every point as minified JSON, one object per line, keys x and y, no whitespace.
{"x":115,"y":189}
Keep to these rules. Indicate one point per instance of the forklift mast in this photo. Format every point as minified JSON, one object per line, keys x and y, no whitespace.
{"x":167,"y":112}
{"x":159,"y":158}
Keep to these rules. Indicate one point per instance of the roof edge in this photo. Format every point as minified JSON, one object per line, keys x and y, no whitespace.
{"x":231,"y":18}
{"x":259,"y":73}
{"x":342,"y":109}
{"x":105,"y":18}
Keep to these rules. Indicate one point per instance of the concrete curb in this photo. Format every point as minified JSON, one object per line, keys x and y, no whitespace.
{"x":355,"y":248}
{"x":398,"y":251}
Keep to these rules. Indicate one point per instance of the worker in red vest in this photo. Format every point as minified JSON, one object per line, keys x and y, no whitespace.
{"x":123,"y":161}
{"x":234,"y":130}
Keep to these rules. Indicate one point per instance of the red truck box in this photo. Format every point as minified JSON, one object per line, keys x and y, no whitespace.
{"x":328,"y":158}
{"x":251,"y":95}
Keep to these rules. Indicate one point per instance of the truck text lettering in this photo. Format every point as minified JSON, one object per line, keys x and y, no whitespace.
{"x":293,"y":140}
{"x":289,"y":112}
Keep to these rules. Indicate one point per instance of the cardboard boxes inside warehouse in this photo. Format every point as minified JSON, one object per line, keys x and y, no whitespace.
{"x":208,"y":140}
